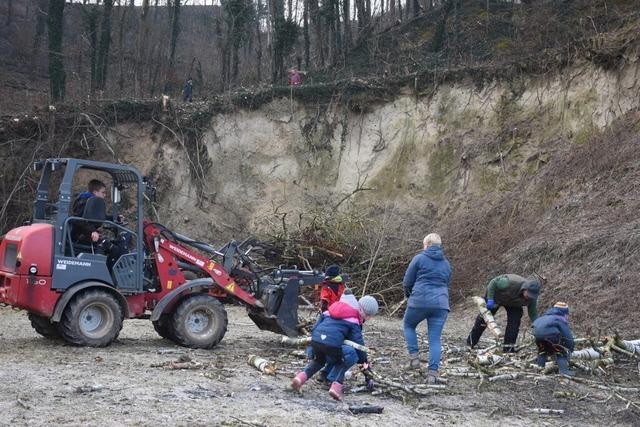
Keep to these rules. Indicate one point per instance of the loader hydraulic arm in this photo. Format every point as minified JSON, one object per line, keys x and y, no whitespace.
{"x":167,"y":254}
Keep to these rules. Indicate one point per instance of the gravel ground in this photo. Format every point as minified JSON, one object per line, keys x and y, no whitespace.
{"x":48,"y":382}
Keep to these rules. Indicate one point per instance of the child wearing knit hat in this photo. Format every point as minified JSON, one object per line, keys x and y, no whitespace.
{"x":342,"y":321}
{"x":554,"y":338}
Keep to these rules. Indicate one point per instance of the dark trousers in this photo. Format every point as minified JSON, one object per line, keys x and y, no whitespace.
{"x":514,"y":316}
{"x":337,"y":359}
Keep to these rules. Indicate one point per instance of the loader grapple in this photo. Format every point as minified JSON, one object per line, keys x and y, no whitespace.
{"x":280,"y":313}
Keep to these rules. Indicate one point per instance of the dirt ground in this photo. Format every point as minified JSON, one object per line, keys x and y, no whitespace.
{"x":48,"y":382}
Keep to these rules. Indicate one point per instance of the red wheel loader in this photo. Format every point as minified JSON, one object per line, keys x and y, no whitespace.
{"x":71,"y":290}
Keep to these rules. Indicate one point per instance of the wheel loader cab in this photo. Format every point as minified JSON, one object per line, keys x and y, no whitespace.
{"x":77,"y":257}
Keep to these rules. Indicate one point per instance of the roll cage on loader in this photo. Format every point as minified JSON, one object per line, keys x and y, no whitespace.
{"x":178,"y":283}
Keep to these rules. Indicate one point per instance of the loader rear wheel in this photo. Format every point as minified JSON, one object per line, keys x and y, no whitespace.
{"x":93,"y":319}
{"x":164,"y":327}
{"x":199,"y":322}
{"x":44,"y":327}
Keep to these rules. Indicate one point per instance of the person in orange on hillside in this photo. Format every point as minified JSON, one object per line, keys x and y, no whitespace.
{"x":332,"y":287}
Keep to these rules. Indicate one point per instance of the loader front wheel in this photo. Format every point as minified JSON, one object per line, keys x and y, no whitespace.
{"x":92,"y":319}
{"x":199,"y":321}
{"x":164,"y":327}
{"x":44,"y":327}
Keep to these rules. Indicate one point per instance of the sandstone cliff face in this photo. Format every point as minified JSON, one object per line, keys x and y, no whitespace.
{"x":425,"y":152}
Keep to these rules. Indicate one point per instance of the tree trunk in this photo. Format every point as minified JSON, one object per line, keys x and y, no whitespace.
{"x":416,"y":8}
{"x":91,"y":30}
{"x":57,"y":75}
{"x":175,"y":32}
{"x":277,"y":16}
{"x":338,"y":31}
{"x":258,"y":35}
{"x":102,"y":58}
{"x":305,"y":30}
{"x":314,"y":15}
{"x":143,"y":31}
{"x":41,"y":22}
{"x":121,"y":31}
{"x":363,"y":20}
{"x":9,"y":12}
{"x":346,"y":15}
{"x":392,"y":9}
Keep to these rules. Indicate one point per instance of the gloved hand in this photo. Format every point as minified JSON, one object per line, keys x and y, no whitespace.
{"x":490,"y":304}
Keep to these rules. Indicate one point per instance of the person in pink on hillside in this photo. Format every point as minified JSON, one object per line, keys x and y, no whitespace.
{"x":295,"y":78}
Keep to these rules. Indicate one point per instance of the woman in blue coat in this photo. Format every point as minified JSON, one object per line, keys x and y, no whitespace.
{"x":426,"y":285}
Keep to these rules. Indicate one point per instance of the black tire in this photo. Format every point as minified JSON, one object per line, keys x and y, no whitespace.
{"x":44,"y":327}
{"x":92,"y":319}
{"x":199,"y":321}
{"x":164,"y":327}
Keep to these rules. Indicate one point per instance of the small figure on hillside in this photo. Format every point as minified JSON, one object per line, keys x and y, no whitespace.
{"x":426,"y":286}
{"x":187,"y":92}
{"x":554,"y":338}
{"x":295,"y":79}
{"x":332,"y":287}
{"x":343,"y":321}
{"x":511,"y":292}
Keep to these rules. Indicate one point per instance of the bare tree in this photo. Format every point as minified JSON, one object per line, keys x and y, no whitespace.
{"x":175,"y":32}
{"x":102,"y":54}
{"x":41,"y":22}
{"x":143,"y":31}
{"x":57,"y":76}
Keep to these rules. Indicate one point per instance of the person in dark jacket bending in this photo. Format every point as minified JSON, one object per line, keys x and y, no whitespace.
{"x":554,"y":338}
{"x":343,"y":321}
{"x":426,"y":285}
{"x":511,"y":292}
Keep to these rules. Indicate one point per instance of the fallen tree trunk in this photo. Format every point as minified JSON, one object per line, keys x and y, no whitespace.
{"x":488,"y":317}
{"x":586,"y":354}
{"x":504,"y":377}
{"x":631,"y":346}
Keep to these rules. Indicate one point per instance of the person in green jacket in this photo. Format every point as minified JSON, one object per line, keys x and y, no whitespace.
{"x":512,"y":292}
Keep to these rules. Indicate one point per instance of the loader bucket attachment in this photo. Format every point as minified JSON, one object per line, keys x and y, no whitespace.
{"x":280,"y":314}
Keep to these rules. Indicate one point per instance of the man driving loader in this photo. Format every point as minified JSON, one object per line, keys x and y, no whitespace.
{"x":91,"y":206}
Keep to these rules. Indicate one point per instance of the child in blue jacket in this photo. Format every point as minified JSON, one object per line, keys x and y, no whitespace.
{"x":554,"y":338}
{"x":343,"y":321}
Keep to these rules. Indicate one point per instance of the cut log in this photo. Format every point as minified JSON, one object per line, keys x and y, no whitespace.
{"x":263,"y":365}
{"x":488,"y":317}
{"x":305,"y":341}
{"x":356,"y":346}
{"x":547,"y":411}
{"x":295,"y":342}
{"x":365,"y":409}
{"x":489,"y":359}
{"x":504,"y":377}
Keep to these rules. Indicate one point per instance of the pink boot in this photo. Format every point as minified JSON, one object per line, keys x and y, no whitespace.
{"x":298,"y":381}
{"x":336,"y":391}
